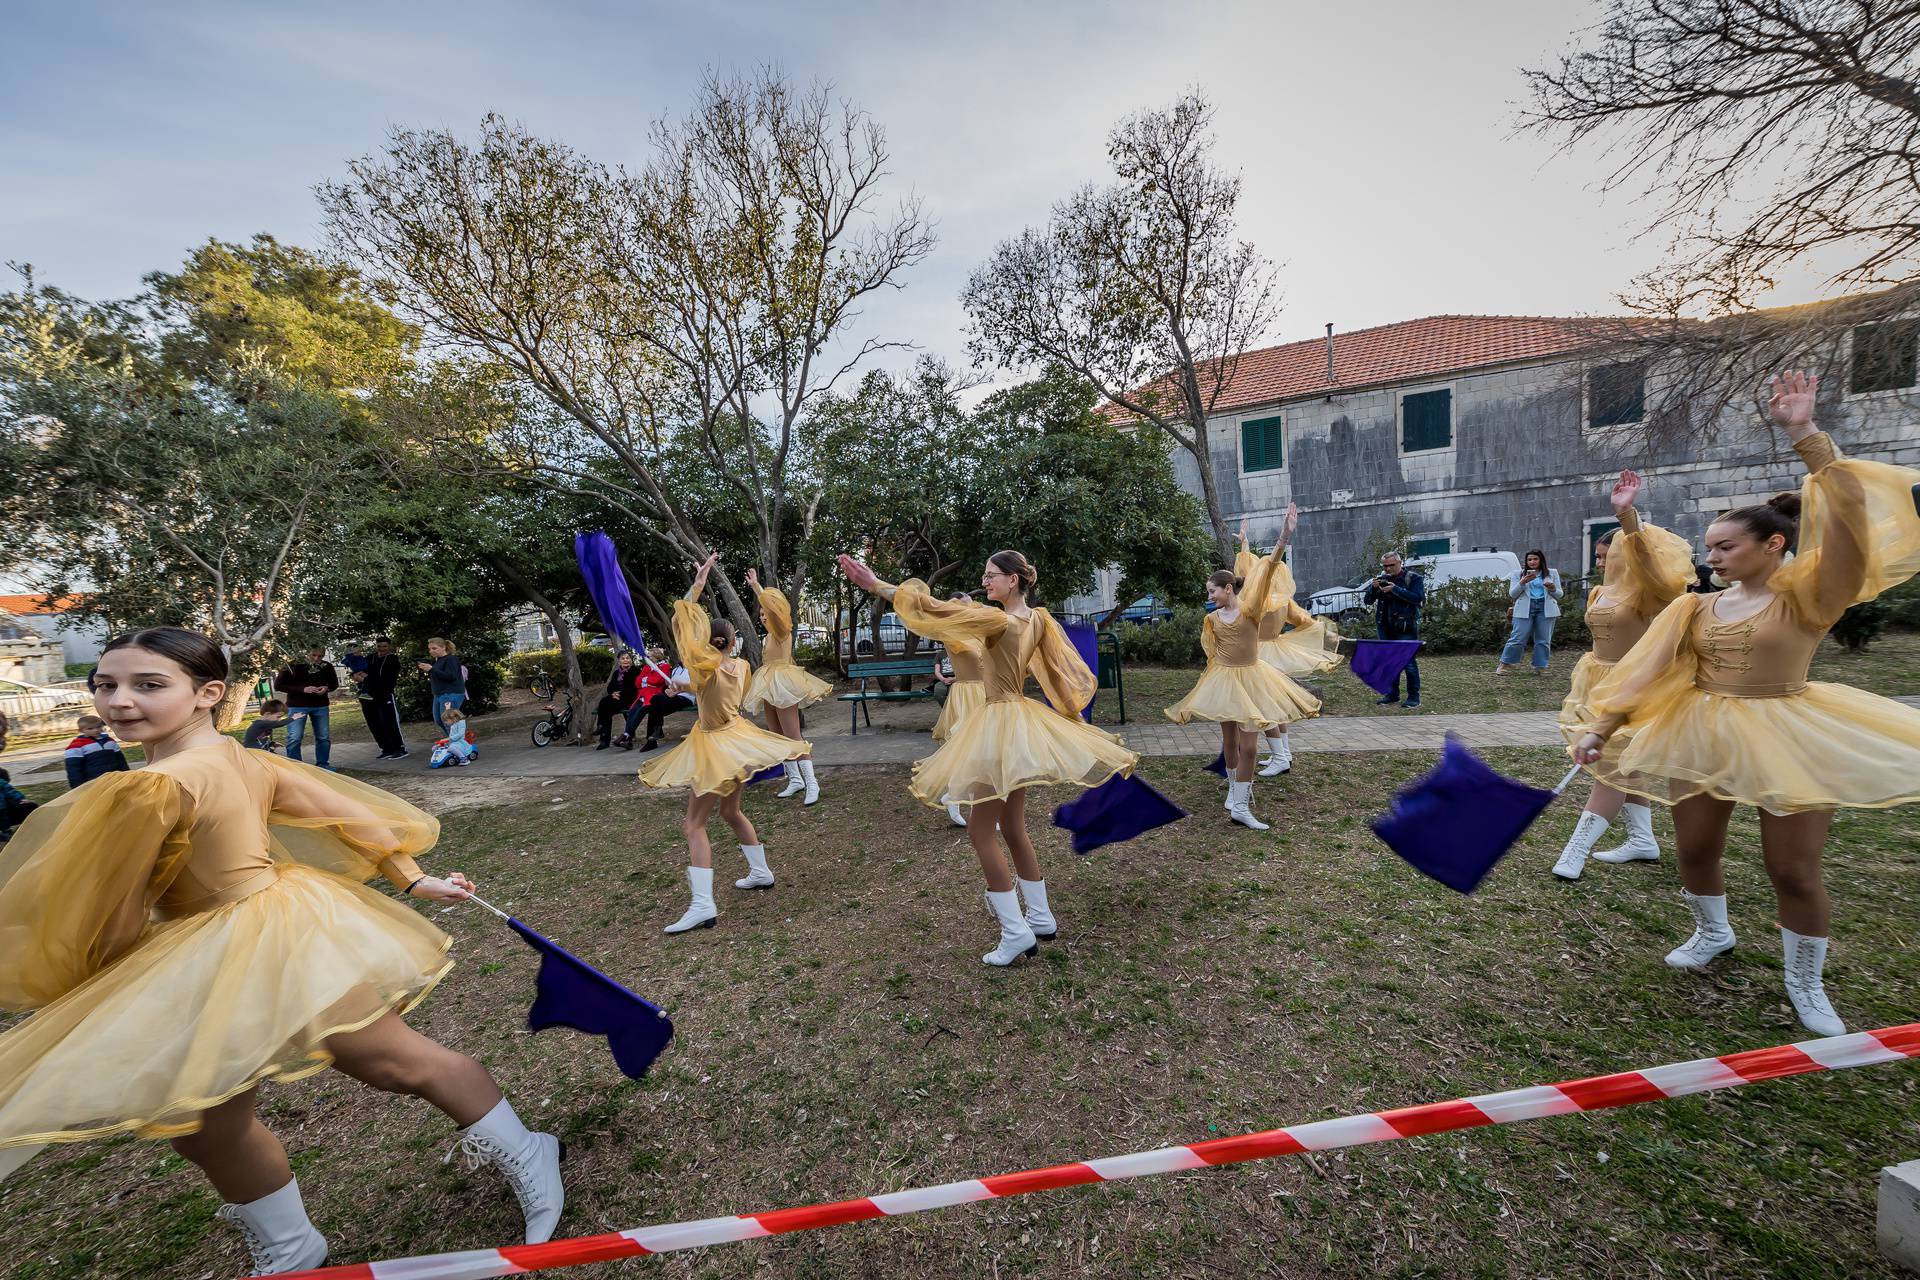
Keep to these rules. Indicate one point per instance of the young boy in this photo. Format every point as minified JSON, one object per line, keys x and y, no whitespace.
{"x":14,"y":807}
{"x":93,"y":753}
{"x":259,"y":734}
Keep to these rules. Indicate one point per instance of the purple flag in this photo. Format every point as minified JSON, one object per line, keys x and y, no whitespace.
{"x":1219,"y":764}
{"x":1458,"y":820}
{"x":1086,"y":642}
{"x":569,"y":992}
{"x":1118,"y":809}
{"x":768,"y":774}
{"x":1379,"y":663}
{"x":600,"y":566}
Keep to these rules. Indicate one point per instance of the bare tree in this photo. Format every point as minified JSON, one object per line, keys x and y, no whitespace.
{"x":1140,"y":286}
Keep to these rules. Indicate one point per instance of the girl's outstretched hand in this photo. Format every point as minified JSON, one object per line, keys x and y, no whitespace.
{"x":1625,"y":490}
{"x":1792,"y":402}
{"x":455,"y":888}
{"x":857,"y":573}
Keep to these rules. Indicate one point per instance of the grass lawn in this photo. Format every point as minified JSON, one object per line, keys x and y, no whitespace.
{"x":839,"y":1036}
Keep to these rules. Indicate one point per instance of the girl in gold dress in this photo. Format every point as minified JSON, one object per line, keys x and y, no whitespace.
{"x":1712,"y":707}
{"x":188,"y":930}
{"x":1237,"y":690}
{"x":1292,"y":642}
{"x":781,"y":687}
{"x":1011,"y":742}
{"x":966,"y":693}
{"x":718,"y":754}
{"x":1643,"y":570}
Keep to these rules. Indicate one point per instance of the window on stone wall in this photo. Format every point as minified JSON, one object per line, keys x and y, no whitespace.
{"x":1426,"y":420}
{"x":1262,"y":445}
{"x":1883,"y":356}
{"x":1421,"y":548}
{"x":1596,"y":530}
{"x":1617,"y":394}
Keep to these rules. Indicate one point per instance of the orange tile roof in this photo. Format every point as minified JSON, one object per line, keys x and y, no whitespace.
{"x":1410,"y":350}
{"x":22,"y":606}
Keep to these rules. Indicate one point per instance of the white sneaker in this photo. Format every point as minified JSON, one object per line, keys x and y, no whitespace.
{"x":1806,"y":958}
{"x":701,"y":912}
{"x":1573,"y":858}
{"x":530,"y":1161}
{"x":811,"y":783}
{"x":795,"y":785}
{"x":278,"y":1232}
{"x":1016,"y":939}
{"x":759,"y":874}
{"x":1712,"y":935}
{"x":1039,"y":916}
{"x":1640,"y":845}
{"x":1240,"y":802}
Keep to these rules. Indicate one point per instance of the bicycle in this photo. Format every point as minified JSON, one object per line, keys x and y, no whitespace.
{"x":557,"y":723}
{"x":541,"y":684}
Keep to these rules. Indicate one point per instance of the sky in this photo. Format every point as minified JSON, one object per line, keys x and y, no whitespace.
{"x":1383,"y":171}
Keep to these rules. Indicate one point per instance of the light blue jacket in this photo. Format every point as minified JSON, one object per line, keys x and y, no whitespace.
{"x":1518,"y":590}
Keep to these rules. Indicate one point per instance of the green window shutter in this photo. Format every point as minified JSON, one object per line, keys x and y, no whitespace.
{"x":1420,"y":548}
{"x":1596,"y":531}
{"x":1426,"y":420}
{"x":1262,"y":445}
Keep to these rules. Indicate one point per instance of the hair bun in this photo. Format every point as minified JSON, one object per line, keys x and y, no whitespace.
{"x":1787,"y":504}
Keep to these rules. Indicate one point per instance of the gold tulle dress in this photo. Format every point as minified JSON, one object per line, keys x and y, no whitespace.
{"x":1237,"y":687}
{"x":968,"y":692}
{"x":1724,"y":709}
{"x":780,"y":681}
{"x":1292,"y":641}
{"x":1010,"y":741}
{"x":187,"y":930}
{"x":724,"y":748}
{"x":1648,"y":568}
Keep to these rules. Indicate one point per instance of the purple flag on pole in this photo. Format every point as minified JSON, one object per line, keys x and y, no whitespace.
{"x":1379,"y":663}
{"x":1219,"y":764}
{"x":569,"y":992}
{"x":1458,"y":820}
{"x":600,"y":566}
{"x":768,"y":774}
{"x":1086,"y":642}
{"x":1118,"y":809}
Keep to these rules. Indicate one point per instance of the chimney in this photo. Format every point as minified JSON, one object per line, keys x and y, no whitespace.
{"x":1330,"y":378}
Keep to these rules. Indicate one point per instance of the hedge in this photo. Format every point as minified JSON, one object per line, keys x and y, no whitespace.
{"x":596,"y":664}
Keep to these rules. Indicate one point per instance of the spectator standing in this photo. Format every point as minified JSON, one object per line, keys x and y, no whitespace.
{"x":1535,"y":592}
{"x":377,"y":703}
{"x":1396,"y":596}
{"x":307,"y":687}
{"x":259,"y":734}
{"x":93,"y":753}
{"x":622,"y":691}
{"x":447,"y":678}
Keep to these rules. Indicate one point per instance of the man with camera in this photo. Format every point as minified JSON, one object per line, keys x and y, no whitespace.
{"x":1395,"y":596}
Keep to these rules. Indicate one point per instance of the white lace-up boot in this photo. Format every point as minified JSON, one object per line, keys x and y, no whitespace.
{"x":1039,"y":916}
{"x":811,"y":783}
{"x":1240,"y":806}
{"x":1805,"y":958}
{"x":1573,"y":858}
{"x":1279,"y":756}
{"x":1016,"y":939}
{"x":759,"y":874}
{"x":701,"y":912}
{"x":795,"y":783}
{"x":1712,"y":935}
{"x":530,"y":1161}
{"x":1640,"y":845}
{"x":278,"y":1233}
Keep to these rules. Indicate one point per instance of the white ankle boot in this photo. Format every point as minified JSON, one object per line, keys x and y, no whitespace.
{"x":700,"y":911}
{"x":1016,"y":939}
{"x":278,"y":1233}
{"x":811,"y":783}
{"x":759,"y":874}
{"x":1712,"y":935}
{"x":795,"y":784}
{"x":1640,"y":845}
{"x":1240,"y":806}
{"x":530,"y":1161}
{"x":1573,"y":858}
{"x":1039,"y":916}
{"x":1279,"y":756}
{"x":953,"y":812}
{"x":1805,"y":958}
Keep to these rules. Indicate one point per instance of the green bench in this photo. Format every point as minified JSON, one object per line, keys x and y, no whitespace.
{"x":865,"y":671}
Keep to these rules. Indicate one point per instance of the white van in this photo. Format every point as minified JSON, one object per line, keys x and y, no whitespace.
{"x":1348,"y":603}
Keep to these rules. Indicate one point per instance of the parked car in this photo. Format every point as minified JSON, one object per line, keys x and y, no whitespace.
{"x":1147,"y":609}
{"x":19,"y":700}
{"x":1348,"y":603}
{"x":893,"y":636}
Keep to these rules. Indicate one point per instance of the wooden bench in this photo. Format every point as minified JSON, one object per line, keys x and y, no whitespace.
{"x":865,"y":671}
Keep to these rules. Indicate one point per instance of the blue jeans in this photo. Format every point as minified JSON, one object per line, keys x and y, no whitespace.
{"x":440,"y":704}
{"x":297,"y":718}
{"x":1539,"y":627}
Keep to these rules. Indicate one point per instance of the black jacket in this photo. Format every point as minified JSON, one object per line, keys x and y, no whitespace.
{"x":1396,"y":612}
{"x":382,"y":674}
{"x":624,"y":686}
{"x":296,"y":676}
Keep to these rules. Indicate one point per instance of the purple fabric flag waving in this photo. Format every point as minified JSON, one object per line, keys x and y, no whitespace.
{"x":1458,"y":820}
{"x":569,"y":992}
{"x":1219,"y":765}
{"x":600,"y":566}
{"x":1118,"y":809}
{"x":1379,"y":663}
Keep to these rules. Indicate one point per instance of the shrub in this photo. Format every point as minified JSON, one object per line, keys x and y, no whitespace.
{"x":1174,"y":642}
{"x":1467,"y":615}
{"x":482,"y":652}
{"x":817,"y":658}
{"x":1861,"y":625}
{"x":596,"y":664}
{"x":1903,"y":605}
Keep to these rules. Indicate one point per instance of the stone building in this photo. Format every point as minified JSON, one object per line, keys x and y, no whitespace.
{"x":1505,"y":432}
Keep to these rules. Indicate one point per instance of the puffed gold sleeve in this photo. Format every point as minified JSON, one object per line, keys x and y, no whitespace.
{"x":1648,"y":567}
{"x":1658,"y":669}
{"x":1859,"y":533}
{"x":342,"y":825}
{"x":1062,"y":673}
{"x":775,"y":613}
{"x":693,"y":637}
{"x":945,"y":620}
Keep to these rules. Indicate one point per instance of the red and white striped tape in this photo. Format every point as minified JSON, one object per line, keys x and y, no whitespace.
{"x":1861,"y":1049}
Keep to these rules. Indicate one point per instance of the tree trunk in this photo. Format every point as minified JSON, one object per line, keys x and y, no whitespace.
{"x":1210,"y":493}
{"x":233,"y":707}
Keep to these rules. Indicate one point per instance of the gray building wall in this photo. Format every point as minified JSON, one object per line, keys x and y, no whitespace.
{"x":1522,"y":472}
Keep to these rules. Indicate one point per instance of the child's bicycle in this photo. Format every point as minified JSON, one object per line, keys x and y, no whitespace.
{"x":557,"y":724}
